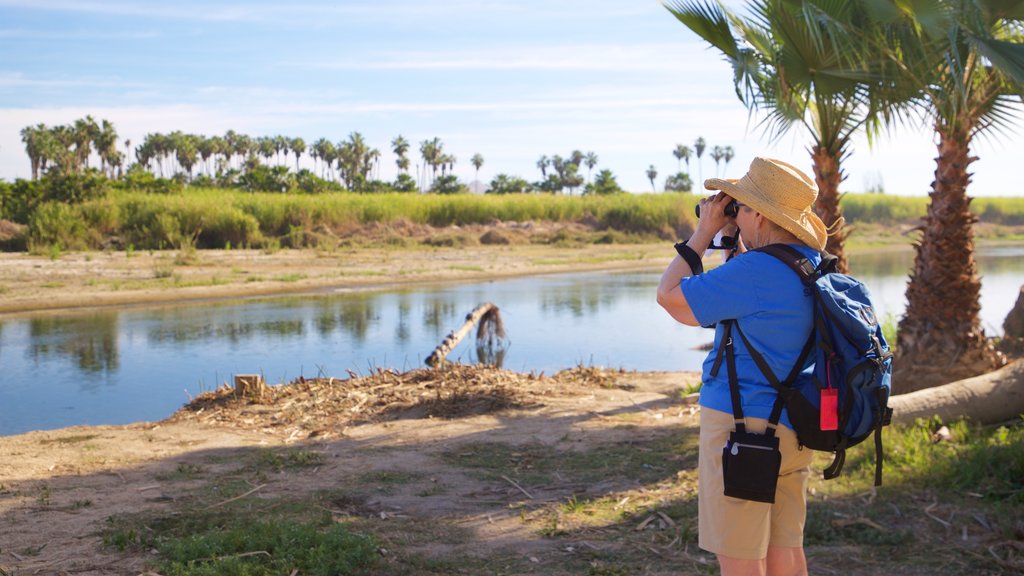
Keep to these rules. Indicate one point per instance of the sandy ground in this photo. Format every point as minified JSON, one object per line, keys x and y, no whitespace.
{"x":59,"y":488}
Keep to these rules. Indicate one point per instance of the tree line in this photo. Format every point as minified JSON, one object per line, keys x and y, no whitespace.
{"x":262,"y":163}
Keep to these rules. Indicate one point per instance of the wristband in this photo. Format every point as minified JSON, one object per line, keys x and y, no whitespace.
{"x":691,"y":257}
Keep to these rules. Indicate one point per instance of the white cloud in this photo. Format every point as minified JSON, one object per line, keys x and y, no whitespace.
{"x":652,"y":57}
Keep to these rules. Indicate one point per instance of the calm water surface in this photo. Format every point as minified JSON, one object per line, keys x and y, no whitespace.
{"x":125,"y":365}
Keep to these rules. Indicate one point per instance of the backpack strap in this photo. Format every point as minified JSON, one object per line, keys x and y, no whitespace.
{"x":783,"y":388}
{"x":800,"y":264}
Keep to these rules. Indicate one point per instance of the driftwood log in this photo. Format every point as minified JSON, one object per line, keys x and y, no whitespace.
{"x":987,"y":399}
{"x":490,"y":326}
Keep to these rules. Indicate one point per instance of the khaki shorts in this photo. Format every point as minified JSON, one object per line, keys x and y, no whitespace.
{"x":741,"y":528}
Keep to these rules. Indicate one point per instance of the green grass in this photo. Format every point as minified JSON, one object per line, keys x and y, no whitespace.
{"x":217,"y":218}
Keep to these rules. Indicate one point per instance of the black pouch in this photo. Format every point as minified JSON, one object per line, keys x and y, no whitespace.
{"x":750,"y":466}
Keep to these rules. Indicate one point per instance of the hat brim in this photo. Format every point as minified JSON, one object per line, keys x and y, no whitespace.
{"x":806,"y":225}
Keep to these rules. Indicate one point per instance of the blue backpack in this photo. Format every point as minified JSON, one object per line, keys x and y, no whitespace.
{"x":846,"y":400}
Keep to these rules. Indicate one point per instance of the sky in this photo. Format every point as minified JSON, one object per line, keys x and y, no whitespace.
{"x":511,"y":80}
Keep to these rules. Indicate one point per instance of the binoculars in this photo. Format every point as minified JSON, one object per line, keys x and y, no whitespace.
{"x":731,"y":209}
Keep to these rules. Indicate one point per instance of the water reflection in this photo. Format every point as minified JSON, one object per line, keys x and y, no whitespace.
{"x":136,"y":364}
{"x":90,"y":341}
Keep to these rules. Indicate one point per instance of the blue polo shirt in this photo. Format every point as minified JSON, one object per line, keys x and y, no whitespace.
{"x":774,"y":310}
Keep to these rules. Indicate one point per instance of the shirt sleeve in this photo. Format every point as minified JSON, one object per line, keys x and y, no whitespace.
{"x":724,"y":292}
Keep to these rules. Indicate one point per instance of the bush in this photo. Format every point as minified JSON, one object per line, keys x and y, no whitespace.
{"x":505,"y":184}
{"x":310,"y":183}
{"x":56,"y":224}
{"x":139,"y":179}
{"x":404,"y":183}
{"x":448,"y":184}
{"x":604,"y":184}
{"x":266,"y":179}
{"x":680,"y":182}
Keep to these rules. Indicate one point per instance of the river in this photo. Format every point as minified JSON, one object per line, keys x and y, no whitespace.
{"x":121,"y":365}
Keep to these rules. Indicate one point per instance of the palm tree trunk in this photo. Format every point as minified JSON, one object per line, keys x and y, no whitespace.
{"x":940,"y":337}
{"x":828,"y":175}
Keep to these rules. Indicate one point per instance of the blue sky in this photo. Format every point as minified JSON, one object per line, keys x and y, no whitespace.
{"x":509,"y":79}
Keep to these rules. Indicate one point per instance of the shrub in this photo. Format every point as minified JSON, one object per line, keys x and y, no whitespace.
{"x":404,"y":183}
{"x":505,"y":184}
{"x":604,"y":184}
{"x":448,"y":184}
{"x":680,"y":182}
{"x":56,"y":224}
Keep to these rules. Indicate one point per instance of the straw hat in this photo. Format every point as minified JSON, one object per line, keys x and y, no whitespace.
{"x":782,"y":193}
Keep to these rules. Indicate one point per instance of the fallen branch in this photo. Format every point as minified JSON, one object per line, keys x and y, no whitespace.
{"x":521,"y":489}
{"x":239,"y":497}
{"x":484,"y":313}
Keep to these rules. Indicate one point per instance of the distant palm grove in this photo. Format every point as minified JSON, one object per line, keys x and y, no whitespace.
{"x":166,"y":162}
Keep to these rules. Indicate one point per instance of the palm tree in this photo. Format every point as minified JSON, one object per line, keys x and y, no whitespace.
{"x":105,"y":141}
{"x":542,"y":163}
{"x":590,"y":160}
{"x":400,"y":146}
{"x":698,"y":148}
{"x":804,"y":63}
{"x":682,"y":153}
{"x":717,"y":153}
{"x":207,"y":148}
{"x":298,"y":147}
{"x":652,"y":173}
{"x":32,"y":137}
{"x":432,"y":151}
{"x":728,"y":155}
{"x":966,"y":59}
{"x":477,"y":161}
{"x":84,"y":134}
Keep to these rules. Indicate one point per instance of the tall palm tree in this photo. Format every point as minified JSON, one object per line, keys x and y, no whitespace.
{"x":804,"y":63}
{"x":432,"y":151}
{"x":966,"y":59}
{"x":105,"y":141}
{"x":298,"y":147}
{"x":652,"y":173}
{"x":32,"y":137}
{"x":699,"y":145}
{"x":717,"y":153}
{"x":477,"y":161}
{"x":728,"y":155}
{"x":84,"y":132}
{"x":207,"y":148}
{"x":400,"y":146}
{"x":682,"y":153}
{"x":590,"y":160}
{"x":542,"y":163}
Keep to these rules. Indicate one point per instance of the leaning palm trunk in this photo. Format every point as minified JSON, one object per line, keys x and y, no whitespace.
{"x":940,"y":337}
{"x":828,"y":175}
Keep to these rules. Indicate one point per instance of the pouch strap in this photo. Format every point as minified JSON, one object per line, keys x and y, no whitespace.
{"x":734,"y":385}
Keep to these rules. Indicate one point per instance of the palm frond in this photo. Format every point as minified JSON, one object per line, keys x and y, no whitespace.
{"x":1007,"y":57}
{"x":708,"y":21}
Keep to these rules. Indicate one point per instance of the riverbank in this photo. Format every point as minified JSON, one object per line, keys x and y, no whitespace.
{"x":32,"y":283}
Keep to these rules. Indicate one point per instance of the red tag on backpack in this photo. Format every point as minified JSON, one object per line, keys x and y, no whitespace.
{"x":829,"y":409}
